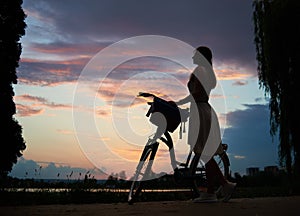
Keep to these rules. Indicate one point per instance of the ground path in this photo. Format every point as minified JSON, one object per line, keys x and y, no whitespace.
{"x":243,"y":206}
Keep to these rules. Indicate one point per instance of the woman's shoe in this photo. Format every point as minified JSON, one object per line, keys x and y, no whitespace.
{"x":228,"y":190}
{"x":206,"y":198}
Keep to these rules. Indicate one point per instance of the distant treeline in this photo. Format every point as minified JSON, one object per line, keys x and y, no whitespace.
{"x":116,"y":190}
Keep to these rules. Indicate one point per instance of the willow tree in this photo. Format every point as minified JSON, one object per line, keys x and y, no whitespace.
{"x":12,"y":25}
{"x":277,"y":37}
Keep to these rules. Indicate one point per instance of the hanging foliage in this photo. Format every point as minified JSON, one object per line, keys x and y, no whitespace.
{"x":276,"y":30}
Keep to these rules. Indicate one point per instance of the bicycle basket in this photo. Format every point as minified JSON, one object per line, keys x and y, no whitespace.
{"x":170,"y":111}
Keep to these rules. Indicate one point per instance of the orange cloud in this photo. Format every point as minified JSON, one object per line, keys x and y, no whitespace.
{"x":232,"y":71}
{"x":123,"y":93}
{"x":230,"y":74}
{"x":65,"y":132}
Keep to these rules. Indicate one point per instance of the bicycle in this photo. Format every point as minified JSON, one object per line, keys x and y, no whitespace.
{"x":191,"y":171}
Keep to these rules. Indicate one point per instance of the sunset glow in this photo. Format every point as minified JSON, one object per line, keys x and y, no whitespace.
{"x":55,"y":100}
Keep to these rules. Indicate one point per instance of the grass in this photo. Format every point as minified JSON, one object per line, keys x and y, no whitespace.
{"x":84,"y":197}
{"x":80,"y":192}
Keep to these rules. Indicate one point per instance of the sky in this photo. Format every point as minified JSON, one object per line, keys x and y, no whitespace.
{"x":84,"y":62}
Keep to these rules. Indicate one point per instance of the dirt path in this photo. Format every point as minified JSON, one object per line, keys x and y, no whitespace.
{"x":258,"y":206}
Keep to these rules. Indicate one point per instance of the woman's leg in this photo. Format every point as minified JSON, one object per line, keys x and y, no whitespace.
{"x":213,"y":173}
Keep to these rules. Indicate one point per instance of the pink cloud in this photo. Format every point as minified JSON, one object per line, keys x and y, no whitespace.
{"x":26,"y":111}
{"x":70,"y":49}
{"x":50,"y":73}
{"x":30,"y":98}
{"x":37,"y":106}
{"x":102,"y":113}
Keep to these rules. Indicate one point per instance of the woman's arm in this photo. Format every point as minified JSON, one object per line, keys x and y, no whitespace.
{"x":185,"y":100}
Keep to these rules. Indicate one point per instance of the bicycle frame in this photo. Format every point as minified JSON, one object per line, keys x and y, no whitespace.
{"x":182,"y":171}
{"x":153,"y":145}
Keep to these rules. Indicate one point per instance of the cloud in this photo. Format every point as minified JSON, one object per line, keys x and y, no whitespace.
{"x":50,"y":72}
{"x":148,"y":74}
{"x":66,"y":49}
{"x":248,"y":138}
{"x":254,"y":117}
{"x":36,"y":105}
{"x":50,"y":170}
{"x":123,"y":94}
{"x":225,"y":26}
{"x":65,"y":132}
{"x":26,"y":97}
{"x":25,"y":111}
{"x":56,"y":72}
{"x":239,"y":157}
{"x":240,"y":83}
{"x":59,"y":44}
{"x":232,"y":71}
{"x":102,"y":112}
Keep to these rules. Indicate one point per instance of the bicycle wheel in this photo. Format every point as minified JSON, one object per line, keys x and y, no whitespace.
{"x":223,"y":163}
{"x":197,"y":167}
{"x":142,"y":172}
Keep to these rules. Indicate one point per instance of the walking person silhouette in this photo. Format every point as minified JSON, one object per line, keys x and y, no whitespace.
{"x":204,"y":134}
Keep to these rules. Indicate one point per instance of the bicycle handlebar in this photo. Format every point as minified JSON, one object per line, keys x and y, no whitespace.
{"x":145,"y":94}
{"x":184,"y":113}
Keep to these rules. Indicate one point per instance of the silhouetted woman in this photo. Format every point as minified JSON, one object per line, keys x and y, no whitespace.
{"x":204,"y":134}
